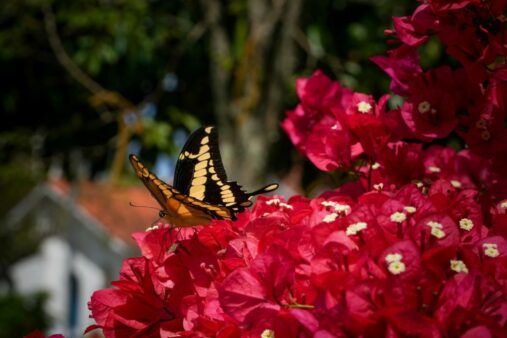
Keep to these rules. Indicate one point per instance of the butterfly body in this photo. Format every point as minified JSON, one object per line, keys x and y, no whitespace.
{"x":201,"y":191}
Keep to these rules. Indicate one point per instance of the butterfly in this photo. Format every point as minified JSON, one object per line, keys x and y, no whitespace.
{"x":200,"y":190}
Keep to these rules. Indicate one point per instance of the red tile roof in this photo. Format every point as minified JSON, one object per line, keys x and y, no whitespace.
{"x":110,"y":206}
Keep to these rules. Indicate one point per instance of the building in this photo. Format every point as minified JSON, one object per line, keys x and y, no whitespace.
{"x":85,"y":233}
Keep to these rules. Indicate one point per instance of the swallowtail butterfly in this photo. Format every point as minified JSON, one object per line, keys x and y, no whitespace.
{"x":200,"y":191}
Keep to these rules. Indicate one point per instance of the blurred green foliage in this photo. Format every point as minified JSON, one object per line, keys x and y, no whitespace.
{"x":130,"y":46}
{"x":20,"y":315}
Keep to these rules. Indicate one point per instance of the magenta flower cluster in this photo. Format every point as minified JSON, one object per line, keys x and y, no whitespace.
{"x":415,"y":246}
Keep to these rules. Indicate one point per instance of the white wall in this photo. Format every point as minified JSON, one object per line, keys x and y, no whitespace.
{"x":49,"y":270}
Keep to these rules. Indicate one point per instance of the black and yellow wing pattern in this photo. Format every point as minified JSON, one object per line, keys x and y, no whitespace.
{"x":200,"y":190}
{"x":199,"y":173}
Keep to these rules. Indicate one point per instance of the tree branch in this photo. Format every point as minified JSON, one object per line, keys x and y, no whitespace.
{"x":100,"y":95}
{"x":62,"y":56}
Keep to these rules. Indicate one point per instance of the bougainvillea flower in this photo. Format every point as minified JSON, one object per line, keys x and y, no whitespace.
{"x":401,"y":64}
{"x":414,"y":244}
{"x":133,"y":307}
{"x":430,"y":110}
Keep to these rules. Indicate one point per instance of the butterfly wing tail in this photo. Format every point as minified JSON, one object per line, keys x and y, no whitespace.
{"x":263,"y":190}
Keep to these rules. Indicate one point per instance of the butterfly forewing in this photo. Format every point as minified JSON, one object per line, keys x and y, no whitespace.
{"x":151,"y":181}
{"x":179,"y":209}
{"x":200,"y":173}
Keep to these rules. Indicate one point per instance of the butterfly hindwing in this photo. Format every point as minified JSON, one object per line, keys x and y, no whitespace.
{"x":200,"y":173}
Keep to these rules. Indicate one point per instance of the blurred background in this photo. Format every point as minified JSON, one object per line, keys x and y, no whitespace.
{"x":84,"y":83}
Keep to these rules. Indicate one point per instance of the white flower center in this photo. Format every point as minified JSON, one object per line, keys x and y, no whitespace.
{"x":458,"y":266}
{"x":338,"y":207}
{"x":286,"y":206}
{"x":330,"y":217}
{"x":466,"y":224}
{"x":268,"y":334}
{"x":433,"y":224}
{"x":277,"y":202}
{"x":491,"y":250}
{"x":410,"y":209}
{"x":436,"y":229}
{"x":353,"y":229}
{"x":393,"y":257}
{"x":438,"y":233}
{"x":434,"y":169}
{"x":456,"y":184}
{"x":364,"y":107}
{"x":274,"y":201}
{"x":396,"y":267}
{"x":398,"y":217}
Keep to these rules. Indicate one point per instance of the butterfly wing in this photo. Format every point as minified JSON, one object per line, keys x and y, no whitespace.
{"x":155,"y":186}
{"x":200,"y":173}
{"x":179,"y":209}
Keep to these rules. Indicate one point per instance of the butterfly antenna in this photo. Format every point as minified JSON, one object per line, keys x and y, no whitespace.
{"x":143,"y":206}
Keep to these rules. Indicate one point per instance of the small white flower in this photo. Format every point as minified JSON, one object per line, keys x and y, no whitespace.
{"x":375,"y":166}
{"x":338,"y":207}
{"x":286,"y":206}
{"x":410,"y":209}
{"x":491,"y":250}
{"x":466,"y":224}
{"x":434,"y":169}
{"x":458,"y":266}
{"x":277,"y":202}
{"x":330,"y":217}
{"x":503,"y":204}
{"x":436,"y":229}
{"x":398,"y":217}
{"x":155,"y":227}
{"x":456,"y":184}
{"x":268,"y":334}
{"x":433,"y":224}
{"x":393,"y":257}
{"x":274,"y":201}
{"x":378,"y":187}
{"x":328,"y":203}
{"x":396,"y":267}
{"x":353,"y":229}
{"x":364,"y":107}
{"x":438,"y":233}
{"x":342,"y":208}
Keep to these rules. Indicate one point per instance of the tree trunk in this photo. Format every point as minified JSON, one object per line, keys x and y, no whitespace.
{"x":248,"y":93}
